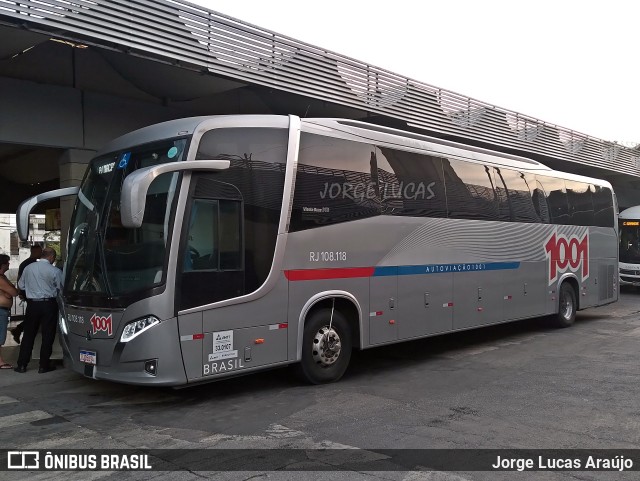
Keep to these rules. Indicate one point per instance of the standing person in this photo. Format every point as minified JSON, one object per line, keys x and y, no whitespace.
{"x":7,"y":293}
{"x":42,"y":282}
{"x":36,"y":252}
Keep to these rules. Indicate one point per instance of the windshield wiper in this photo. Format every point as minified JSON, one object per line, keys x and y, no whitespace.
{"x":103,"y":263}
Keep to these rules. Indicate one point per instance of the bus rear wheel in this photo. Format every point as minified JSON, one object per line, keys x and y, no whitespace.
{"x":326,"y":347}
{"x":567,"y":306}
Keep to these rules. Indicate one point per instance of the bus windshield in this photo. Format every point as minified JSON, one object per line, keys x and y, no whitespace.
{"x":106,"y":259}
{"x":630,"y":241}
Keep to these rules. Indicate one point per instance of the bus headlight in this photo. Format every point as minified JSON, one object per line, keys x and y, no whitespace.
{"x":137,"y":327}
{"x":63,"y":325}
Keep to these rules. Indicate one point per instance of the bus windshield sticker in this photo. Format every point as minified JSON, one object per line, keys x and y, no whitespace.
{"x":124,"y":160}
{"x":106,"y":168}
{"x":173,"y":151}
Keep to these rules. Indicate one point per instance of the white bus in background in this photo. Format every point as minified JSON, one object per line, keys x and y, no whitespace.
{"x":629,"y":257}
{"x":211,"y":247}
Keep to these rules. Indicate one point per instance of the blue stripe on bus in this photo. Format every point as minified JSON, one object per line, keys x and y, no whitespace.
{"x":443,"y":268}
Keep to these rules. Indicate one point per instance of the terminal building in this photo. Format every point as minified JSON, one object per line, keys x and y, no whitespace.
{"x":76,"y":74}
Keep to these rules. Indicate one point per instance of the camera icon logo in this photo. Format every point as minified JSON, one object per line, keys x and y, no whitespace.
{"x":23,"y":460}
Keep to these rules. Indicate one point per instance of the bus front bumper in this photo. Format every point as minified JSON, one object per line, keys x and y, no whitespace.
{"x":629,"y":277}
{"x":152,"y":358}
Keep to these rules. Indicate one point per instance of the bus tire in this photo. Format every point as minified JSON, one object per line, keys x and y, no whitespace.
{"x":325,"y":353}
{"x":567,"y":306}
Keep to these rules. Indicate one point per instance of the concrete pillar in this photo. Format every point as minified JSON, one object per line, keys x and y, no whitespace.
{"x":73,"y":164}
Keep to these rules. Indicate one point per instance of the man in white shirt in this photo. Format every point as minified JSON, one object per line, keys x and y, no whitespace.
{"x":42,"y":283}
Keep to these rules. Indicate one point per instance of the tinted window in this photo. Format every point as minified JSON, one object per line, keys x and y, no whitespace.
{"x":212,"y":266}
{"x":244,"y":199}
{"x":603,"y":207}
{"x":580,"y":203}
{"x":514,"y":195}
{"x":202,"y":250}
{"x":471,"y":191}
{"x":214,"y":240}
{"x":556,"y":196}
{"x":501,"y":176}
{"x":410,"y":184}
{"x":540,"y":205}
{"x":335,"y":182}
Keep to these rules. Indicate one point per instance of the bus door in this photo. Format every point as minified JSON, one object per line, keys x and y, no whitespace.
{"x":212,"y":258}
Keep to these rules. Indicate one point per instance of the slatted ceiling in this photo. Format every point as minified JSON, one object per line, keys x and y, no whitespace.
{"x":428,"y":111}
{"x":179,"y":31}
{"x":301,"y":65}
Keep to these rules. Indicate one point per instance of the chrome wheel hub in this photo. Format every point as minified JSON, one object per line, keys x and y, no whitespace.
{"x":326,"y":346}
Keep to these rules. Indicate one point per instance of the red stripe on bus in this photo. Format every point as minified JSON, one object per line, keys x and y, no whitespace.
{"x":318,"y":274}
{"x":198,"y":336}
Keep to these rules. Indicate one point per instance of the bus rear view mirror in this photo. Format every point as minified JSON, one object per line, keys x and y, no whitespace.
{"x":25,"y":208}
{"x":136,"y":185}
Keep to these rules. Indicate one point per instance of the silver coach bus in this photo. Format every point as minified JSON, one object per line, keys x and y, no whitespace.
{"x":210,"y":247}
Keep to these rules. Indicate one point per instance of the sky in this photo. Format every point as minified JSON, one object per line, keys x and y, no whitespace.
{"x":567,"y":62}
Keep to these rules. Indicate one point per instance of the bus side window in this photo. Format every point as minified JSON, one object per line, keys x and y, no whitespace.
{"x":471,"y":190}
{"x":214,"y":240}
{"x":202,"y":241}
{"x":410,"y":184}
{"x":213,"y":260}
{"x":603,"y":207}
{"x":230,"y":241}
{"x":556,"y":196}
{"x":335,"y":182}
{"x":256,"y":177}
{"x":514,"y":194}
{"x":580,"y":202}
{"x":540,"y":204}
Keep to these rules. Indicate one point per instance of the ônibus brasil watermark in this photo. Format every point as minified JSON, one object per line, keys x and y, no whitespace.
{"x":370,"y":190}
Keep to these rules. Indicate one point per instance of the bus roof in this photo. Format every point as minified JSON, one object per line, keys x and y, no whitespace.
{"x":188,"y":126}
{"x":630,"y":213}
{"x":344,"y":127}
{"x":438,"y":146}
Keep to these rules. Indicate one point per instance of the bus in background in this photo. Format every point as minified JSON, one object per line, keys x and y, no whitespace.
{"x":629,"y":229}
{"x":211,"y":247}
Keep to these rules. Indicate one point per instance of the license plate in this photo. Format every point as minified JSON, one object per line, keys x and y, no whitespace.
{"x":88,"y":357}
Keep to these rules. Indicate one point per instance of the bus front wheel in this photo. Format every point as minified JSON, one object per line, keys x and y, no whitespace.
{"x":326,"y":347}
{"x":567,"y":306}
